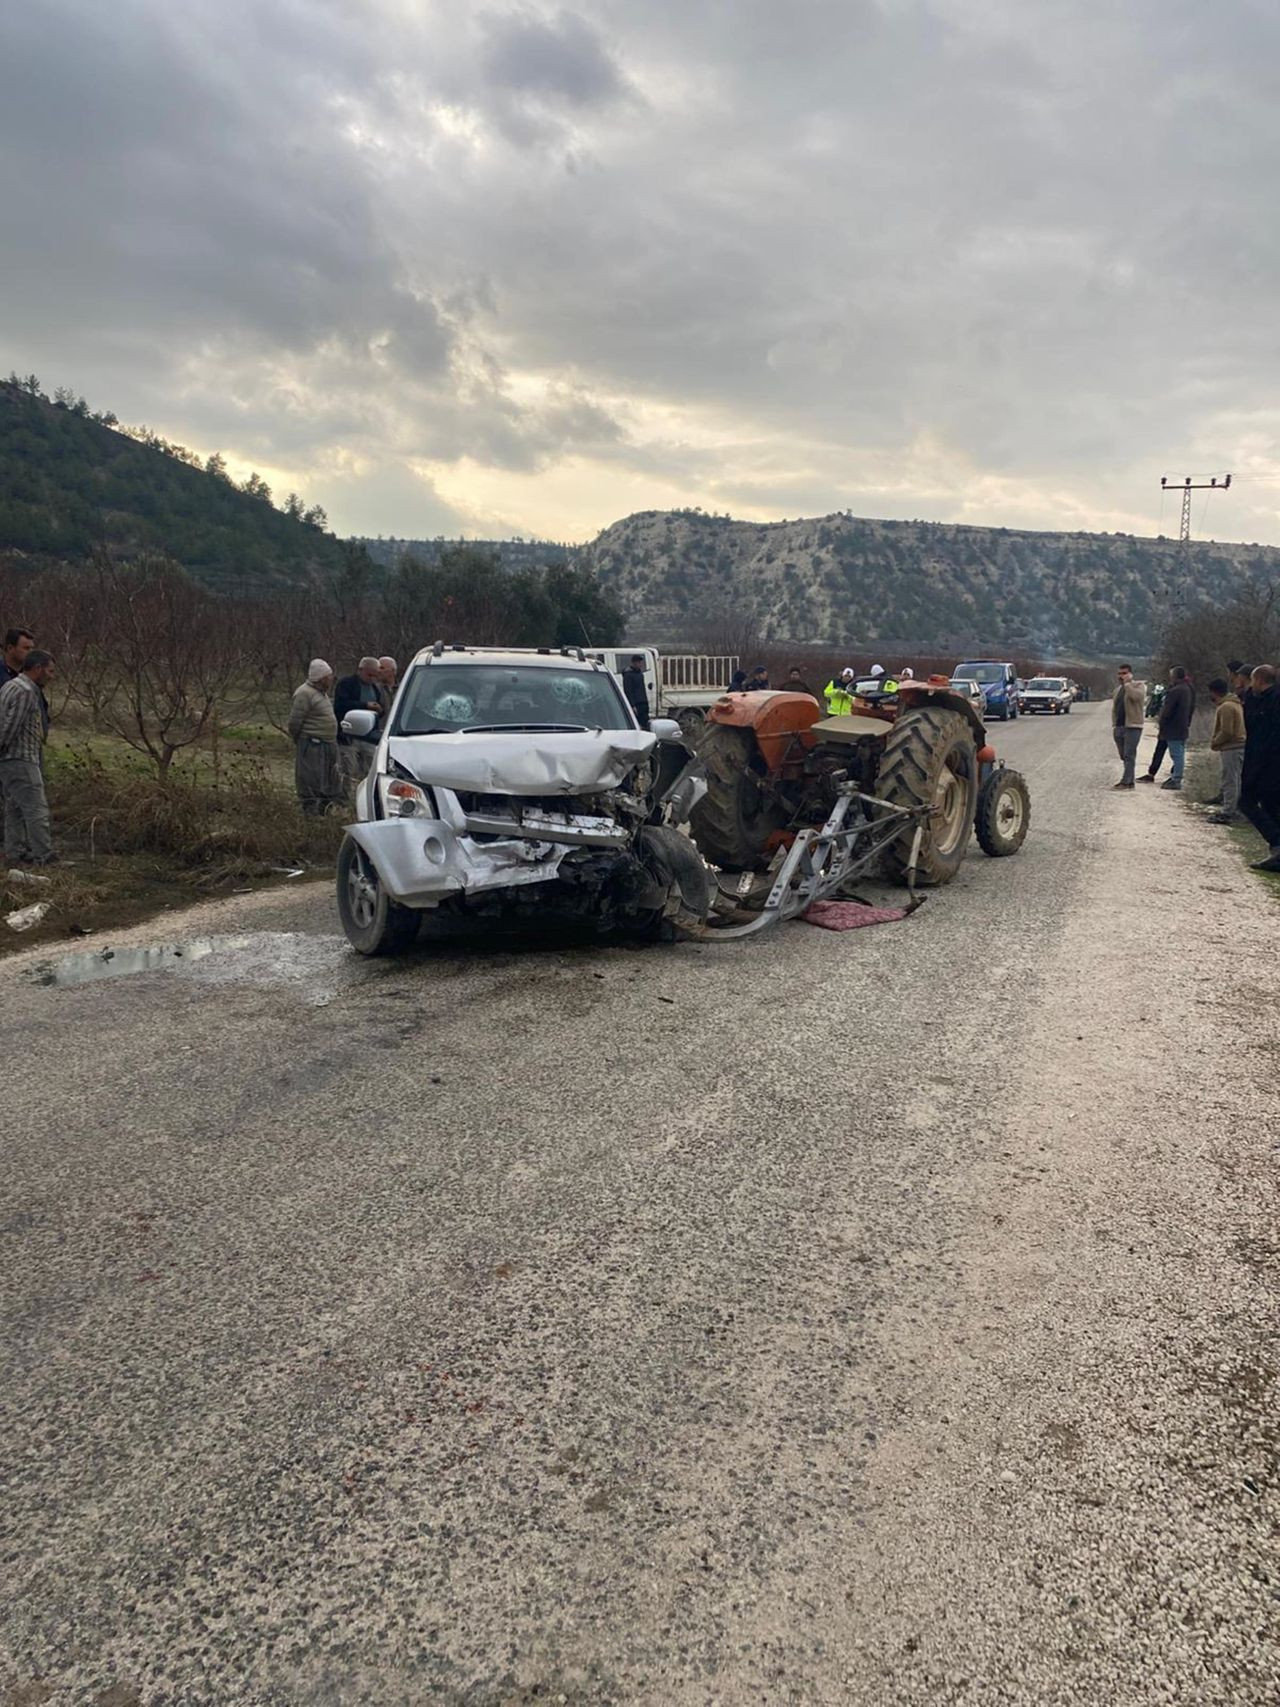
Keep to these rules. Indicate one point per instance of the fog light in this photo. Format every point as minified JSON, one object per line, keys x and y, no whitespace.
{"x":433,"y":847}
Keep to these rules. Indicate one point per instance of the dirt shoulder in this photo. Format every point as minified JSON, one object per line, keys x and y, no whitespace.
{"x":1081,"y":1503}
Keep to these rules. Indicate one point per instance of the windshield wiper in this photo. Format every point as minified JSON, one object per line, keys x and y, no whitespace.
{"x":524,"y":729}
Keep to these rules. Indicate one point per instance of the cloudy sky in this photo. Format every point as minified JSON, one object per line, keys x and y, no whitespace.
{"x":526,"y":268}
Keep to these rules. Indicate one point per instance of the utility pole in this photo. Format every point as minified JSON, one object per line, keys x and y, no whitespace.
{"x":1187,"y":487}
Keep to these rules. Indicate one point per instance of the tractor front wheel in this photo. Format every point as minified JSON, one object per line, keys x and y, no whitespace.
{"x":930,"y":759}
{"x":1004,"y":813}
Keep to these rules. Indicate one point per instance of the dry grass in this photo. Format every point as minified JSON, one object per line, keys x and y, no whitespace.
{"x":133,"y":846}
{"x":233,"y":827}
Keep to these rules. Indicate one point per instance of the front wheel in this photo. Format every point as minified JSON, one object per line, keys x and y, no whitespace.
{"x":372,"y":921}
{"x":1004,"y":814}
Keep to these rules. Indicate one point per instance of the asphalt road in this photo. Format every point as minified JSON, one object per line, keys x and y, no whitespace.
{"x":879,"y":1318}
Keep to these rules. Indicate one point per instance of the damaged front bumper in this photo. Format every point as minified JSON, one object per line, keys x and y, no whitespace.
{"x":421,"y":861}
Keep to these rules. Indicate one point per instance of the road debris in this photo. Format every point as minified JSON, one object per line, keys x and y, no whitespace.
{"x":851,"y":915}
{"x":26,"y":918}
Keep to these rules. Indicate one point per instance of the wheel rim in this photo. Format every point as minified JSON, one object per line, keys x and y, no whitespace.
{"x":362,"y":890}
{"x":1009,"y":813}
{"x":949,"y":809}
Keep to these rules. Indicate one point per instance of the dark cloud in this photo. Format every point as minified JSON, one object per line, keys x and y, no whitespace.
{"x":913,"y":258}
{"x":555,"y":59}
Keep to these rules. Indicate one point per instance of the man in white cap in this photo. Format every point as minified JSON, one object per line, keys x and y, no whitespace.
{"x":839,"y":694}
{"x":313,"y":728}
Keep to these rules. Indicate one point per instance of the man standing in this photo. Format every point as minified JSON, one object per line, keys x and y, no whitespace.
{"x":1173,"y":728}
{"x":17,"y":643}
{"x":27,"y":840}
{"x":313,"y":729}
{"x":1241,"y":678}
{"x":795,"y":683}
{"x":758,"y":681}
{"x":1227,"y":741}
{"x":387,"y":670}
{"x":1127,"y":710}
{"x":839,"y":693}
{"x":637,"y":693}
{"x":1260,"y":781}
{"x":358,"y":693}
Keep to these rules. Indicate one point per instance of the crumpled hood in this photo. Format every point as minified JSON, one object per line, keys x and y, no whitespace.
{"x":523,"y":763}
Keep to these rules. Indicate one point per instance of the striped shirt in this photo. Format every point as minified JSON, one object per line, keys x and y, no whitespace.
{"x":21,"y":724}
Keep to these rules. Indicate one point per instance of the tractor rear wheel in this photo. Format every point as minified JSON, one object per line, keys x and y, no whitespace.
{"x":734,"y":820}
{"x":930,"y":759}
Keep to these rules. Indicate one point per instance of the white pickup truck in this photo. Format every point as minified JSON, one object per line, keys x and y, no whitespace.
{"x":683,"y":685}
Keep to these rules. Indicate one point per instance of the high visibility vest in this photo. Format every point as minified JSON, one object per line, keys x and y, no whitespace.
{"x":839,"y":699}
{"x":889,"y":685}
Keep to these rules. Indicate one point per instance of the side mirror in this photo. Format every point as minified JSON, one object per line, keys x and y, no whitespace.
{"x":358,"y":723}
{"x":665,"y":728}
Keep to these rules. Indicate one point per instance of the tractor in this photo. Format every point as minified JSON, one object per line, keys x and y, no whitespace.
{"x":897,"y":783}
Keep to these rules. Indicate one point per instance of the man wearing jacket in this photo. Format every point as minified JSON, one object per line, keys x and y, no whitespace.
{"x":1227,"y":741}
{"x":1173,"y":728}
{"x":1260,"y":782}
{"x":636,"y":691}
{"x":1128,"y":708}
{"x":22,"y":734}
{"x":838,"y":693}
{"x":358,"y":693}
{"x":313,"y":729}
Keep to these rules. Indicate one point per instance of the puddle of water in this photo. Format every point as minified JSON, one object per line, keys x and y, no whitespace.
{"x":265,"y":957}
{"x":119,"y":962}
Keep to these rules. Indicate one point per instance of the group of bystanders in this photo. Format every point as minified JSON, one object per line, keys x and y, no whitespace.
{"x":328,"y":762}
{"x":1246,"y":738}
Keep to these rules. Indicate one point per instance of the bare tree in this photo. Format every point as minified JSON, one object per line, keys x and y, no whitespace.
{"x":163,"y":663}
{"x":1203,"y":640}
{"x":735,"y":633}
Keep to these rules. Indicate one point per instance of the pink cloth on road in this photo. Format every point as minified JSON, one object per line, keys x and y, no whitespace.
{"x":850,"y":915}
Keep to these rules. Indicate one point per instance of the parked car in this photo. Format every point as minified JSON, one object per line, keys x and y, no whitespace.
{"x":999,"y":684}
{"x":1047,"y":693}
{"x":972,"y":692}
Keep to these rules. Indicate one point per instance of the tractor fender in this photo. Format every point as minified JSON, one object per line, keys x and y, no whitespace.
{"x":775,"y":717}
{"x":925,"y":693}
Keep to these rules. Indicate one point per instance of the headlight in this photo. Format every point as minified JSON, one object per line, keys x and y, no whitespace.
{"x":401,"y":799}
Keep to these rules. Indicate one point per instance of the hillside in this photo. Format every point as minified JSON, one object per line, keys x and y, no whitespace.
{"x":515,"y":554}
{"x":71,"y":480}
{"x":683,"y":575}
